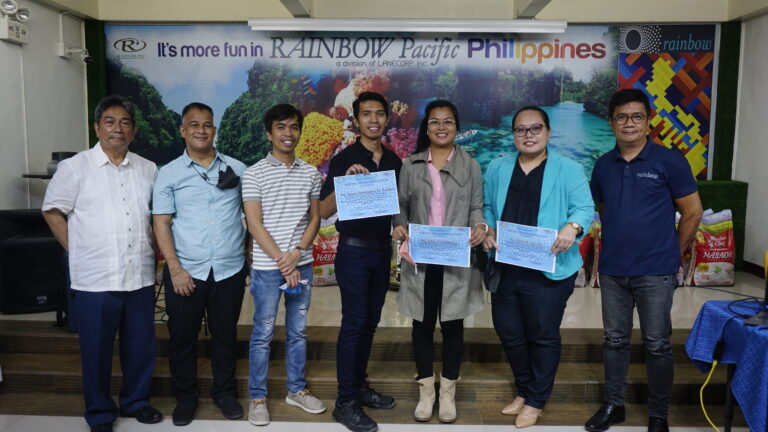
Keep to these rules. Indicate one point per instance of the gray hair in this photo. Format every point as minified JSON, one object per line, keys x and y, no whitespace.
{"x":113,"y":101}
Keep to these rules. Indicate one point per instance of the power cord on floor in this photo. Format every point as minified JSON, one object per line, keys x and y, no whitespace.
{"x":716,"y":358}
{"x":725,"y":291}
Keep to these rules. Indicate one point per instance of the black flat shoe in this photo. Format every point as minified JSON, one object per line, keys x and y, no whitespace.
{"x":657,"y":424}
{"x":607,"y":415}
{"x":104,"y":427}
{"x":184,"y":412}
{"x":370,"y":398}
{"x":146,"y":415}
{"x":352,"y":416}
{"x":230,"y":407}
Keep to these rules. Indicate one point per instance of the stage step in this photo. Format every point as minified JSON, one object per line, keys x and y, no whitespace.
{"x":41,"y":371}
{"x":575,"y":382}
{"x":36,"y":356}
{"x":390,"y":344}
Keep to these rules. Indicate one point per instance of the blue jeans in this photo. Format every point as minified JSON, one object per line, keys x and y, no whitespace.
{"x":363,"y":277}
{"x":653,"y":297}
{"x":266,"y":297}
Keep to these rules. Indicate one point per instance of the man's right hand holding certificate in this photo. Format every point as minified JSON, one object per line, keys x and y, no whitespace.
{"x":360,"y":196}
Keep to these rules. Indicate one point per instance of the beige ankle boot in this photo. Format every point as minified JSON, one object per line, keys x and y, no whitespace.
{"x":426,"y":403}
{"x":447,"y":411}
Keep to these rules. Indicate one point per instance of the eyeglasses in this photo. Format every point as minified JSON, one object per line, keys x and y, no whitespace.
{"x":523,"y":131}
{"x":637,"y":118}
{"x":449,"y":123}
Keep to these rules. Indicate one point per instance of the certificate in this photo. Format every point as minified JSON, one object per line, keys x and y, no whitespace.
{"x":439,"y":244}
{"x":366,"y":195}
{"x":525,"y":246}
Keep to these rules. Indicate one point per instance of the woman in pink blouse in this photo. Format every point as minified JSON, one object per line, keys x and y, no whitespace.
{"x":440,"y":185}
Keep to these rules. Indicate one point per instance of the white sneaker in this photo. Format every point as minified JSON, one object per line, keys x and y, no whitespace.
{"x":257,"y":412}
{"x":306,"y":401}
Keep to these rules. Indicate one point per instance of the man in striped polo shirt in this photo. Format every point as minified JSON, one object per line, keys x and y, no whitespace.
{"x":280,"y":194}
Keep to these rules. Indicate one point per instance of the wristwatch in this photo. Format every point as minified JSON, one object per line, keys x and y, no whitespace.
{"x":575,"y":226}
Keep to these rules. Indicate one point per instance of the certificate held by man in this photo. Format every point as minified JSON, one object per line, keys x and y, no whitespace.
{"x":525,"y":246}
{"x":366,"y":195}
{"x":445,"y":245}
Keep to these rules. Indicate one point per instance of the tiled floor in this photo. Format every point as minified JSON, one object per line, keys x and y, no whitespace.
{"x":583,"y":310}
{"x":14,"y":423}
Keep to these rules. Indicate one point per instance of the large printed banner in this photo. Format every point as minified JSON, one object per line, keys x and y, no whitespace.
{"x":673,"y":65}
{"x":241,"y":73}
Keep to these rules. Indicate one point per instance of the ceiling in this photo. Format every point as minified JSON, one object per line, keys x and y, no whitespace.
{"x":573,"y":11}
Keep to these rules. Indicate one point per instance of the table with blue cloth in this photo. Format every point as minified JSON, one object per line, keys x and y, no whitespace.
{"x":745,"y":347}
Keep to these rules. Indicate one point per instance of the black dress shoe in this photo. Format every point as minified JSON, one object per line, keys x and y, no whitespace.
{"x":607,"y":415}
{"x":372,"y":399}
{"x":104,"y":427}
{"x":146,"y":415}
{"x":657,"y":424}
{"x":352,"y":416}
{"x":184,"y":412}
{"x":230,"y":407}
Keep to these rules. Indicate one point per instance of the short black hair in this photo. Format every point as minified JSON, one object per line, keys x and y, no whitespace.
{"x":282,"y":112}
{"x":114,"y":100}
{"x":623,"y":97}
{"x":422,"y":140}
{"x":196,"y":105}
{"x":543,"y":113}
{"x":369,"y":96}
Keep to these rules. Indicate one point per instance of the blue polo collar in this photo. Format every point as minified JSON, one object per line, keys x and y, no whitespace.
{"x":643,"y":155}
{"x":189,"y":161}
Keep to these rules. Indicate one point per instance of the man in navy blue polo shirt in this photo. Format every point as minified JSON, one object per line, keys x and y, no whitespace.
{"x":637,"y":187}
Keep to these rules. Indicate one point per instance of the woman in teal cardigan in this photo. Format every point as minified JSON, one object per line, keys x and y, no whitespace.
{"x":537,"y":187}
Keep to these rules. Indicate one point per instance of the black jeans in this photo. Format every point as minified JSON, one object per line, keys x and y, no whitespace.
{"x":363,"y":277}
{"x":222,"y":300}
{"x":653,"y":297}
{"x":423,"y":331}
{"x":527,"y":310}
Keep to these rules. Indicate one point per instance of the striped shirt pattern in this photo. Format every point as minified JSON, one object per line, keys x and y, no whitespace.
{"x":284,"y":193}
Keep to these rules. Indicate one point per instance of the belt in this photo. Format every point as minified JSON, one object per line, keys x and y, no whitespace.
{"x":365,"y":243}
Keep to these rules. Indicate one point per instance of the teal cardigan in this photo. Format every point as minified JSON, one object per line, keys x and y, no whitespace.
{"x":565,"y":197}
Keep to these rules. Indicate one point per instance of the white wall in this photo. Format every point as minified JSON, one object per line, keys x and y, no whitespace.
{"x":42,"y":105}
{"x":751,"y":148}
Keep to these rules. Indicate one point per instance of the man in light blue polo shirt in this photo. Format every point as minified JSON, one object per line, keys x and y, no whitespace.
{"x":199,"y":227}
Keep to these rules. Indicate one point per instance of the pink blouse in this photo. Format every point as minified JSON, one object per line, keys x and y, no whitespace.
{"x":437,"y":203}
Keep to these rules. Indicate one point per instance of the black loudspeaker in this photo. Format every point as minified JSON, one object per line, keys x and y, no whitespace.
{"x":32,"y":273}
